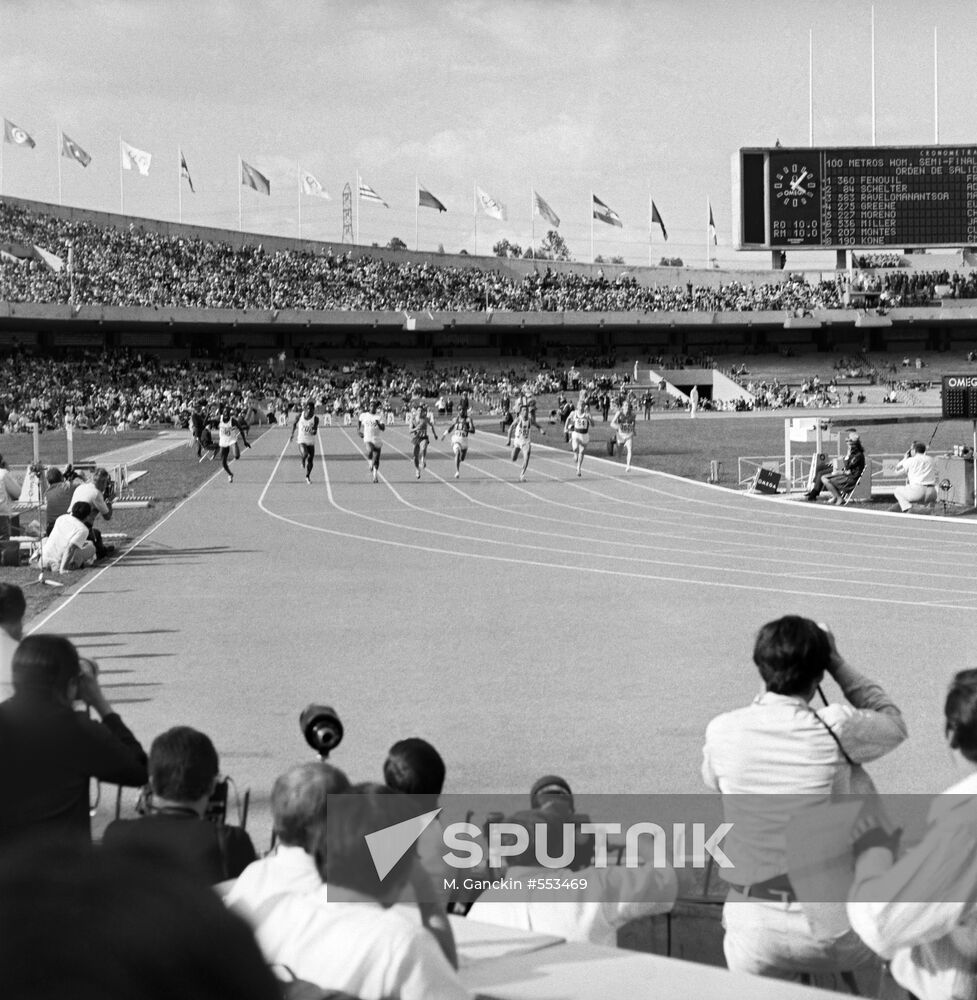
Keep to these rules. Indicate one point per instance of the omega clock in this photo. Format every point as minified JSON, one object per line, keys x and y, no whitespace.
{"x":794,"y":185}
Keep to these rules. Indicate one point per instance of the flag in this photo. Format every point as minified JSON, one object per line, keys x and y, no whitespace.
{"x":368,"y":194}
{"x":427,"y":200}
{"x":135,"y":157}
{"x":52,"y":260}
{"x":655,"y":217}
{"x":15,"y":251}
{"x":254,"y":179}
{"x":605,"y":214}
{"x":541,"y":208}
{"x":491,"y":206}
{"x":712,"y":226}
{"x":73,"y":151}
{"x":16,"y":135}
{"x":185,"y":171}
{"x":310,"y":185}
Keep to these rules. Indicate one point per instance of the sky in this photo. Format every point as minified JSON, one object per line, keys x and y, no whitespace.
{"x":626,"y":100}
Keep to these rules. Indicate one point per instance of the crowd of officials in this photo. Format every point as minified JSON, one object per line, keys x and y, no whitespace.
{"x":134,"y":266}
{"x":176,"y":901}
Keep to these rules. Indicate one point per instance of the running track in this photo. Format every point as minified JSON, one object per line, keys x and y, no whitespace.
{"x":589,"y":626}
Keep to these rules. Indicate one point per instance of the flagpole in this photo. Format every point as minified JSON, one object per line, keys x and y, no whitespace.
{"x":810,"y":86}
{"x":649,"y":230}
{"x":357,"y":207}
{"x":240,"y":198}
{"x":298,"y":179}
{"x":475,"y":213}
{"x":532,"y":216}
{"x":179,"y":183}
{"x":873,"y":74}
{"x":708,"y":252}
{"x":591,"y":227}
{"x":417,"y":197}
{"x":57,"y":153}
{"x":936,"y":90}
{"x":122,"y":186}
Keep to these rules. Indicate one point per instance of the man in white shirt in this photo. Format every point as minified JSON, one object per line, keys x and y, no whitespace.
{"x":298,"y":808}
{"x":12,"y":608}
{"x":920,"y":912}
{"x":97,"y":494}
{"x":773,"y":757}
{"x":920,"y":470}
{"x":344,"y":936}
{"x":10,"y":487}
{"x":68,"y":546}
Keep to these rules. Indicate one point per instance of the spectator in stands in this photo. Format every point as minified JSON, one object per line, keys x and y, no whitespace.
{"x":919,"y":912}
{"x":99,"y":925}
{"x":608,"y":897}
{"x":98,"y":494}
{"x":13,"y":606}
{"x":780,"y":746}
{"x":920,"y":472}
{"x":183,"y":773}
{"x":846,"y":480}
{"x":50,"y":752}
{"x":298,"y":809}
{"x":67,"y":546}
{"x":345,"y":936}
{"x":10,"y":487}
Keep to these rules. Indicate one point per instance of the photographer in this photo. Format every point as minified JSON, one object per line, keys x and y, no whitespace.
{"x":920,"y":470}
{"x":920,"y":912}
{"x":299,"y":800}
{"x":99,"y":495}
{"x":183,"y":773}
{"x":68,"y":546}
{"x":49,"y":752}
{"x":771,"y":757}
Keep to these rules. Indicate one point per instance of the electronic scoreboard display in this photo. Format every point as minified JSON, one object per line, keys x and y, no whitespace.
{"x":960,"y":397}
{"x":848,"y":196}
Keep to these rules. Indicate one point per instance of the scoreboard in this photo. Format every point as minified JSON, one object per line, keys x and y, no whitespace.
{"x":960,"y":397}
{"x":849,"y":196}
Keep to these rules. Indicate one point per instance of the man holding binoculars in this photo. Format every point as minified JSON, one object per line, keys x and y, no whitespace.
{"x":920,"y":472}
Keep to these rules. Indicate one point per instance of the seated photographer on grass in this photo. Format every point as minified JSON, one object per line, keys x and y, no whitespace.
{"x":67,"y":546}
{"x":345,"y":936}
{"x":592,"y":903}
{"x":298,"y":807}
{"x":183,"y":773}
{"x":50,"y":752}
{"x":99,"y":495}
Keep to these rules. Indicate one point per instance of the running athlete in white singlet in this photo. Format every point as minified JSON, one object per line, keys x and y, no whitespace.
{"x":521,"y":438}
{"x":227,"y":437}
{"x":624,"y":422}
{"x":370,"y":427}
{"x":461,"y":427}
{"x":578,"y":427}
{"x":307,"y":427}
{"x":418,"y":425}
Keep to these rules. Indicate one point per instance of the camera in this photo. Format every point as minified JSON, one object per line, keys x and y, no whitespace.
{"x":321,"y":728}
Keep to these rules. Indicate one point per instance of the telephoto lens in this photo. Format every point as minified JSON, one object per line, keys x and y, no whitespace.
{"x":321,"y":728}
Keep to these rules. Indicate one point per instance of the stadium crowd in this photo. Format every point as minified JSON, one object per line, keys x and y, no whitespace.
{"x":136,"y":267}
{"x":316,"y":911}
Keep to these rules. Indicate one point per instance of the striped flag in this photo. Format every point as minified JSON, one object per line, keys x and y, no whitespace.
{"x":712,"y":226}
{"x":52,"y":260}
{"x":492,"y":207}
{"x":185,"y":171}
{"x":310,"y":185}
{"x":368,"y":194}
{"x":73,"y":151}
{"x":16,"y":135}
{"x":541,"y":208}
{"x":605,"y":213}
{"x":427,"y":200}
{"x":138,"y":158}
{"x":254,"y":179}
{"x":656,"y":217}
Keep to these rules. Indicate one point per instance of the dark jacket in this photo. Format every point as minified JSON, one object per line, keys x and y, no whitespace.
{"x":48,"y":755}
{"x":212,"y":852}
